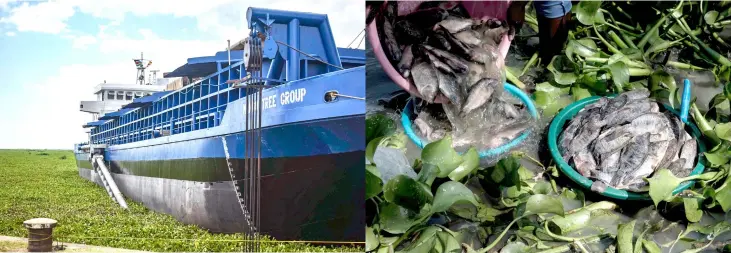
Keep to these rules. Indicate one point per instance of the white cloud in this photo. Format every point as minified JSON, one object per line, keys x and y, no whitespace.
{"x":81,"y":42}
{"x":224,"y":19}
{"x":10,"y":34}
{"x":59,"y":104}
{"x":46,"y":17}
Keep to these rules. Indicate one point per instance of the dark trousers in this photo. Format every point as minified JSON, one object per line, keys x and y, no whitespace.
{"x":552,"y":33}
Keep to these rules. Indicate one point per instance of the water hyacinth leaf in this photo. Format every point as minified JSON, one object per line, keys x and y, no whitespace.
{"x":470,"y":160}
{"x":374,"y":184}
{"x":371,"y":239}
{"x":428,"y":173}
{"x":426,"y":241}
{"x":583,"y":48}
{"x":542,"y":187}
{"x":650,"y":246}
{"x":624,"y":237}
{"x":515,"y":247}
{"x":717,"y":157}
{"x":723,"y":131}
{"x":541,"y":203}
{"x":560,"y":103}
{"x":692,"y":209}
{"x":506,"y":172}
{"x":447,"y":243}
{"x":620,"y":73}
{"x":590,"y":81}
{"x":564,"y":71}
{"x":452,"y":192}
{"x":579,"y":93}
{"x":396,"y":219}
{"x":379,"y":125}
{"x":442,"y":154}
{"x":407,"y":192}
{"x":371,"y":148}
{"x":586,"y":11}
{"x":392,"y":162}
{"x":723,"y":195}
{"x":710,"y":17}
{"x":662,"y":184}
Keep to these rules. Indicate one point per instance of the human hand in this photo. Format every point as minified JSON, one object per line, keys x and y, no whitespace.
{"x":516,"y":17}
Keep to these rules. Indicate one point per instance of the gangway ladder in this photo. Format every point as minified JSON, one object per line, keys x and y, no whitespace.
{"x":101,"y":169}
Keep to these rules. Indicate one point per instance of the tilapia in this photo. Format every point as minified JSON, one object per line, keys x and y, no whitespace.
{"x":585,"y":163}
{"x":610,"y":163}
{"x":425,"y":79}
{"x":637,"y":94}
{"x":506,"y":133}
{"x":389,"y":38}
{"x":588,"y":133}
{"x":632,"y":157}
{"x":448,"y":87}
{"x":455,"y":25}
{"x":408,"y":33}
{"x":479,"y":95}
{"x":689,"y":152}
{"x":468,"y":37}
{"x":612,"y":140}
{"x":613,"y":105}
{"x":653,"y":123}
{"x":601,"y":102}
{"x":675,"y":143}
{"x":407,"y":58}
{"x":568,"y":135}
{"x":456,"y":63}
{"x":628,"y":112}
{"x":676,"y":167}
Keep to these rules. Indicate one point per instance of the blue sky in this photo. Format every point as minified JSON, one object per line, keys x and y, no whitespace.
{"x":52,"y":53}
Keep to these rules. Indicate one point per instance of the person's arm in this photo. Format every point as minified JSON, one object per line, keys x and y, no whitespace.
{"x":516,"y":16}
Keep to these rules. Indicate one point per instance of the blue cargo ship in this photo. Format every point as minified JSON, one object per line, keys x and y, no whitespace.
{"x":179,"y":152}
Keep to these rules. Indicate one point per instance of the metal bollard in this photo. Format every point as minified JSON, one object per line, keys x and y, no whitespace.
{"x":40,"y":234}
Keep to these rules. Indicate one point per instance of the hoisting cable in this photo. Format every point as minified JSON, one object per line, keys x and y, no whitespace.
{"x":314,"y":58}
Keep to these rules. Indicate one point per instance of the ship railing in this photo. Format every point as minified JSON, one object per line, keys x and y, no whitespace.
{"x":195,"y":107}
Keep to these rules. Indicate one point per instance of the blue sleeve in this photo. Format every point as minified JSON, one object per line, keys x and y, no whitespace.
{"x":552,"y":9}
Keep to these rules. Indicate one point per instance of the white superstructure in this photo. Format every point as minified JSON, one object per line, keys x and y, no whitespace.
{"x":111,"y":97}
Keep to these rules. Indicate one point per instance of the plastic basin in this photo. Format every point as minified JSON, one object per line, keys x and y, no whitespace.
{"x":408,"y":111}
{"x":486,"y":9}
{"x":570,"y":111}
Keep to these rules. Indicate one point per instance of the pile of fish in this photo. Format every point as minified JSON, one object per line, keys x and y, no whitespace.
{"x":442,"y":50}
{"x":619,"y":141}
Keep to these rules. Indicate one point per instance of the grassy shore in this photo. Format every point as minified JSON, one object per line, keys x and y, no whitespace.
{"x":45,"y":183}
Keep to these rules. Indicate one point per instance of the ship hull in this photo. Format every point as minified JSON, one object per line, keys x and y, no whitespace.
{"x":312,"y":168}
{"x":314,"y":195}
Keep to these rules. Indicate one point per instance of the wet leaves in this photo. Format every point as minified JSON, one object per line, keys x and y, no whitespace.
{"x":450,"y":193}
{"x":662,"y":184}
{"x":541,"y":203}
{"x":624,"y":237}
{"x":442,"y":154}
{"x":407,"y":192}
{"x":379,"y":125}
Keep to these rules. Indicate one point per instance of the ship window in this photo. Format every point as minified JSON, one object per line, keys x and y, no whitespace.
{"x":129,"y":96}
{"x":110,"y":95}
{"x":120,"y":96}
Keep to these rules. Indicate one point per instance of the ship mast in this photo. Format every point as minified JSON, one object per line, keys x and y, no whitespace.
{"x":141,"y":67}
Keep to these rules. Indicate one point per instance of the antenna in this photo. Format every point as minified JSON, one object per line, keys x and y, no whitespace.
{"x":153,"y":76}
{"x":141,"y":67}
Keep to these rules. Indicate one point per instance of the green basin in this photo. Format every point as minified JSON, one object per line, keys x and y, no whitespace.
{"x":566,"y":114}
